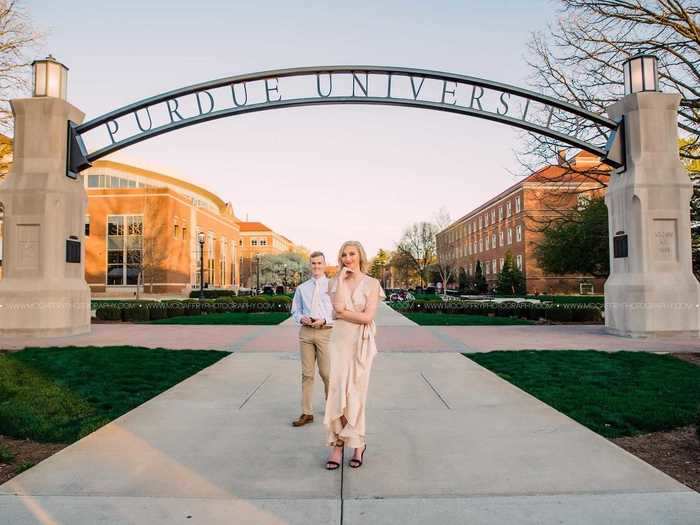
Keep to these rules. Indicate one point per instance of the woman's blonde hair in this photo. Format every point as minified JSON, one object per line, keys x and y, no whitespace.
{"x":363,"y":256}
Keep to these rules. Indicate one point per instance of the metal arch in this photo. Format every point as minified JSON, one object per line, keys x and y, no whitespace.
{"x":593,"y":118}
{"x":424,"y":104}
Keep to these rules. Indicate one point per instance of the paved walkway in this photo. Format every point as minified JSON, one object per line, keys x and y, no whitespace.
{"x":449,"y":442}
{"x":397,"y":334}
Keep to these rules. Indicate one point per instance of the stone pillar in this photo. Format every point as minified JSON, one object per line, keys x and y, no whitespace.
{"x":40,"y":293}
{"x":651,"y":291}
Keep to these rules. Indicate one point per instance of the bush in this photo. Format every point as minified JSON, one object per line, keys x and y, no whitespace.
{"x":191,"y":306}
{"x":157,"y":311}
{"x":135,"y":311}
{"x":210,"y":293}
{"x":697,"y":424}
{"x":111,"y":312}
{"x":174,"y":308}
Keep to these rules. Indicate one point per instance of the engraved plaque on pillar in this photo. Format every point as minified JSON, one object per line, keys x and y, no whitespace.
{"x":27,"y":246}
{"x":664,"y":242}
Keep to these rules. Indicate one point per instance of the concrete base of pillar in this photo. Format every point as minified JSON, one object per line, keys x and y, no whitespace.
{"x":652,"y":305}
{"x":55,"y":309}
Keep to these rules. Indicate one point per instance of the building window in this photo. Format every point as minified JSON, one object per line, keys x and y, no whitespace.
{"x":488,"y":268}
{"x":176,"y":231}
{"x":240,"y":242}
{"x":184,"y":233}
{"x":510,"y":235}
{"x":519,"y":262}
{"x":469,"y":229}
{"x":263,"y":242}
{"x":517,"y":204}
{"x":493,"y":264}
{"x":488,"y":243}
{"x":87,"y":226}
{"x":493,"y":240}
{"x":500,"y":237}
{"x":493,"y":216}
{"x":254,"y":242}
{"x":508,"y":209}
{"x":481,"y":245}
{"x":124,"y":249}
{"x":500,"y":213}
{"x":518,"y":233}
{"x":500,"y":264}
{"x":481,"y":222}
{"x":486,"y":219}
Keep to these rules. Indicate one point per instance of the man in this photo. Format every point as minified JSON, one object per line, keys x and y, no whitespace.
{"x":312,"y":309}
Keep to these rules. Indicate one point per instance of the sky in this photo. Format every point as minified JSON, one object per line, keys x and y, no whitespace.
{"x":318,"y":175}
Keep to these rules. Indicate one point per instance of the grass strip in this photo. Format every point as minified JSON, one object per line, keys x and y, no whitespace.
{"x":59,"y":395}
{"x":613,"y":393}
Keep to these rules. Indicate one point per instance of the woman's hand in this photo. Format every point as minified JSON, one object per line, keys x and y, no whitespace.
{"x":345,"y":273}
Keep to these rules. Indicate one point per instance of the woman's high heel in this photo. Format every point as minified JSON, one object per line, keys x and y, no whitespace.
{"x":333,"y":465}
{"x":357,"y":463}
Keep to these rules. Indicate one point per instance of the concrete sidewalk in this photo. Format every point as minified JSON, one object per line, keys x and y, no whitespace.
{"x":448,"y":442}
{"x":390,"y":338}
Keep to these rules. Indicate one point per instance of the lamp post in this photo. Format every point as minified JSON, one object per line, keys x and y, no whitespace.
{"x":257,"y":267}
{"x":201,"y":238}
{"x":50,"y":78}
{"x":284,"y":283}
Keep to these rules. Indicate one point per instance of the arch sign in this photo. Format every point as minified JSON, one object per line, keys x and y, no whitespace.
{"x":312,"y":86}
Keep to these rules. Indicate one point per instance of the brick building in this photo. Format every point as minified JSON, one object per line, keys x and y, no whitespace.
{"x":258,"y":239}
{"x":512,"y":220}
{"x":141,"y":228}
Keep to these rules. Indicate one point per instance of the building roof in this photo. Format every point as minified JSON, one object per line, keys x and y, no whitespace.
{"x":248,"y":226}
{"x":580,"y":162}
{"x":218,"y":201}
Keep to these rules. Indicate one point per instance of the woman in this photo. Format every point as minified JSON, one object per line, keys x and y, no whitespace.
{"x":355,"y":296}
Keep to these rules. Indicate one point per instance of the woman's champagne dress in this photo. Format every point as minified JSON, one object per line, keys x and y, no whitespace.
{"x":352,"y":349}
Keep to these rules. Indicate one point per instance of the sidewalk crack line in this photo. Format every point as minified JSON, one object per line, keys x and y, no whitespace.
{"x":437,"y":393}
{"x":254,"y":391}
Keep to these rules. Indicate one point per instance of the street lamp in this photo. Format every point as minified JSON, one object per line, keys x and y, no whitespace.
{"x":50,"y":78}
{"x":201,"y":237}
{"x":641,"y":73}
{"x":257,"y":266}
{"x":284,"y":284}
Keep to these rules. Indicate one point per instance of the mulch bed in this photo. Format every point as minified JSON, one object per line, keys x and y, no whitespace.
{"x":677,"y":453}
{"x":27,"y":453}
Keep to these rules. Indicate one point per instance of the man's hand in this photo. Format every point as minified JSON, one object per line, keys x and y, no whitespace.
{"x":318,"y":323}
{"x":306,"y":320}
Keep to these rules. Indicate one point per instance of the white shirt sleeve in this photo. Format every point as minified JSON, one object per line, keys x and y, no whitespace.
{"x":297,"y":307}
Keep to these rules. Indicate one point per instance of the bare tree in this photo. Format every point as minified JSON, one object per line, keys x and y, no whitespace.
{"x":445,"y":267}
{"x":418,"y":246}
{"x":17,"y":41}
{"x":579,"y":59}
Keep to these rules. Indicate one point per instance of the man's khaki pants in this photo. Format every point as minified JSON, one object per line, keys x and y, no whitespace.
{"x":313,"y":344}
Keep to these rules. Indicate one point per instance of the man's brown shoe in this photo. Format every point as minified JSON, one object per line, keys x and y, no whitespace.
{"x":303,"y":420}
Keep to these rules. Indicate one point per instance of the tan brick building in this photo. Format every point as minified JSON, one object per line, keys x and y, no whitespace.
{"x":511,"y":221}
{"x":258,"y":239}
{"x":142,"y":229}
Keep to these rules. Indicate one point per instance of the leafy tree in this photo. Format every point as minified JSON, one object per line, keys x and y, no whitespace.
{"x":510,"y":279}
{"x":379,"y":264}
{"x":462,"y":280}
{"x":578,"y":243}
{"x":480,"y":281}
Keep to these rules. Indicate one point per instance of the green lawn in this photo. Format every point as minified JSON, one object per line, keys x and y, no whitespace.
{"x":614,"y":394}
{"x":62,"y":394}
{"x":432,"y":319}
{"x":267,"y":318}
